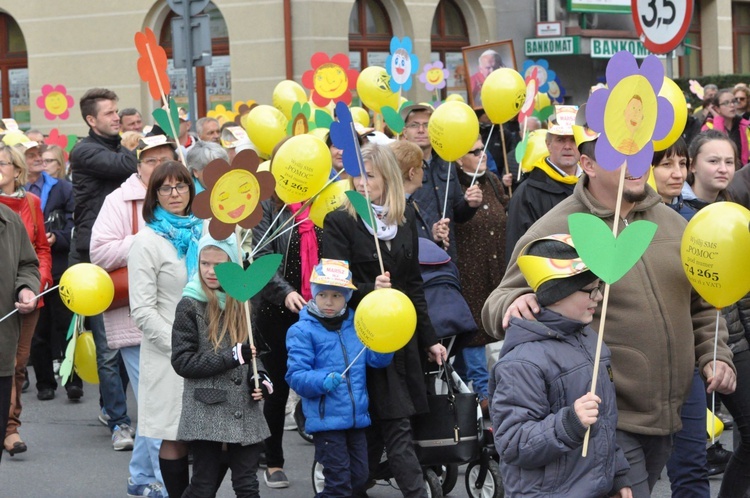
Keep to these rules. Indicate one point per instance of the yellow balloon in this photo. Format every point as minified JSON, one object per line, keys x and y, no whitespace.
{"x":651,"y":180}
{"x":385,"y":320}
{"x":714,"y":425}
{"x":674,"y":95}
{"x":266,"y":126}
{"x":454,"y":97}
{"x":329,"y":200}
{"x":321,"y":133}
{"x":374,"y":88}
{"x":541,"y":101}
{"x":360,"y":116}
{"x":536,"y":149}
{"x":84,"y":358}
{"x":86,"y":289}
{"x":453,"y":130}
{"x":285,"y":94}
{"x":503,"y":94}
{"x":301,"y":168}
{"x":714,"y":253}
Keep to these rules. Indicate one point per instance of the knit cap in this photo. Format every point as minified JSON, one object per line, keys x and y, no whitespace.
{"x":228,"y":245}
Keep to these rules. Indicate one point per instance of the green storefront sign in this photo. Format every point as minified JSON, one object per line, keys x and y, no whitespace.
{"x":561,"y":45}
{"x":604,"y":48}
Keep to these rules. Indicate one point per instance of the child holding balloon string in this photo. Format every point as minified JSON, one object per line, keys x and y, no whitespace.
{"x":219,"y":408}
{"x":323,"y":345}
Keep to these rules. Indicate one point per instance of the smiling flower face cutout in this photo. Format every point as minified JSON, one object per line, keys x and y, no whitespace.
{"x":434,"y":76}
{"x":330,"y":79}
{"x":401,"y":64}
{"x":55,"y":102}
{"x":233,"y":194}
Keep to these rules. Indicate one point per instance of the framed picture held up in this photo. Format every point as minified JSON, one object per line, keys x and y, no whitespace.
{"x":480,"y":61}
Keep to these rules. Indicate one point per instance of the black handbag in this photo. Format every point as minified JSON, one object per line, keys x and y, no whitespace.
{"x":449,"y":433}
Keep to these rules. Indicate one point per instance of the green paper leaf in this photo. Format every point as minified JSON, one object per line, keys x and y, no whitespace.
{"x":163,"y":119}
{"x":608,"y":257}
{"x":243,"y":284}
{"x":393,"y":119}
{"x":323,"y":119}
{"x":66,"y":367}
{"x":361,"y":206}
{"x":72,"y":141}
{"x":544,"y":114}
{"x":521,"y":149}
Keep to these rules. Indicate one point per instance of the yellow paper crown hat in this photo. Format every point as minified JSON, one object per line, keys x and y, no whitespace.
{"x":538,"y":269}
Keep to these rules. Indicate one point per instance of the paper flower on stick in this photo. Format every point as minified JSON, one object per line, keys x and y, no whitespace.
{"x":434,"y":76}
{"x":401,"y":64}
{"x":629,"y":113}
{"x":544,"y":73}
{"x":344,"y":137}
{"x":222,"y":114}
{"x":152,"y":63}
{"x":556,"y":91}
{"x":55,"y":102}
{"x":233,"y":194}
{"x":330,"y":79}
{"x":697,"y":89}
{"x":65,"y":142}
{"x":532,"y":87}
{"x":300,"y":123}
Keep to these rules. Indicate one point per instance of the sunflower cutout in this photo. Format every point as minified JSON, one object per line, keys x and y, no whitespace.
{"x":233,"y":194}
{"x":330,"y":79}
{"x":301,"y":122}
{"x":401,"y":64}
{"x":629,"y":113}
{"x":434,"y":76}
{"x":55,"y":102}
{"x":222,"y":114}
{"x":543,"y":73}
{"x":241,"y":109}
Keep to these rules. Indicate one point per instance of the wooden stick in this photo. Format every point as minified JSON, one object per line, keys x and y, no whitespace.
{"x":246,"y":306}
{"x":605,"y":302}
{"x":505,"y":159}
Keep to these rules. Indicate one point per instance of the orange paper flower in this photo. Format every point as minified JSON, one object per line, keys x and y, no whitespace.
{"x":152,"y":64}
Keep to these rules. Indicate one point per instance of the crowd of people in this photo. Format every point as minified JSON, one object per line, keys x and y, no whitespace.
{"x":123,"y":201}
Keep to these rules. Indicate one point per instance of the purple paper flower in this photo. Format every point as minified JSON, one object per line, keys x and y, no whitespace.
{"x":629,"y":114}
{"x":434,"y":76}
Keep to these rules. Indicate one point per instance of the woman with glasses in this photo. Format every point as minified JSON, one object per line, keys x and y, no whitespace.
{"x":163,"y":257}
{"x":13,"y":173}
{"x":741,"y":95}
{"x":54,"y":162}
{"x":724,"y":118}
{"x":481,"y":263}
{"x":111,"y":238}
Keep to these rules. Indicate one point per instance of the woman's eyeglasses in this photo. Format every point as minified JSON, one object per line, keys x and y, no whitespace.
{"x":476,"y":152}
{"x":166,"y":190}
{"x":730,"y":102}
{"x":49,"y":161}
{"x":598,"y":290}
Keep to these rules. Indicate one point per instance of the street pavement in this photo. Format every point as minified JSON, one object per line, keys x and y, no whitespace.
{"x":70,"y":455}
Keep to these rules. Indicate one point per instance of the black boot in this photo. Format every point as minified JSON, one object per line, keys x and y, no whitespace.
{"x":176,"y":475}
{"x":717,"y":458}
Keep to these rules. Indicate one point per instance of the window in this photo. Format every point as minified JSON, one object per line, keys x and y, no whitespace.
{"x":690,"y":63}
{"x":370,"y":34}
{"x":741,"y":35}
{"x":449,"y":36}
{"x":213,"y":84}
{"x":14,"y":73}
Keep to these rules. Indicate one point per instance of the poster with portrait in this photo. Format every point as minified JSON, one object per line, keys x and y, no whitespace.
{"x":480,"y":61}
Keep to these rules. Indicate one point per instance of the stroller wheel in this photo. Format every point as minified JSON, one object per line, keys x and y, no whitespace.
{"x":299,"y":418}
{"x":448,"y":475}
{"x":432,"y":484}
{"x":318,"y":480}
{"x":492,"y":487}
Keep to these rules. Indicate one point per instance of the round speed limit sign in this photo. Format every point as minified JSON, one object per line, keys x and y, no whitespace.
{"x":662,"y":24}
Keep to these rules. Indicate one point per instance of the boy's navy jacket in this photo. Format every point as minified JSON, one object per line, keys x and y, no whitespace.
{"x":544,"y":367}
{"x":314,"y":352}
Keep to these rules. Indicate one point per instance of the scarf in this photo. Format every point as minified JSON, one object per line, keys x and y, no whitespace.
{"x":385,"y":232}
{"x":194,"y":289}
{"x":330,"y":323}
{"x":183,"y":232}
{"x":308,"y":247}
{"x":554,"y":174}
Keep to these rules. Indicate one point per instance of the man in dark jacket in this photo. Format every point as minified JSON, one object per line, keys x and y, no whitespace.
{"x":551,"y":181}
{"x":430,"y":199}
{"x":99,"y":165}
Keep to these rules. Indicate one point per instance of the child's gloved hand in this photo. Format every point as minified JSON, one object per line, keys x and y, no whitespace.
{"x":243,"y":353}
{"x":264,"y":383}
{"x":332,"y":381}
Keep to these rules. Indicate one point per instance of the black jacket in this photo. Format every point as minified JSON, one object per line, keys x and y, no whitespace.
{"x":99,"y":165}
{"x":534,"y":198}
{"x":398,"y":390}
{"x":58,"y":215}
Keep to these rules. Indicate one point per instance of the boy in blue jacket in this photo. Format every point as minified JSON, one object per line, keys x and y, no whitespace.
{"x":541,"y":405}
{"x":321,"y":345}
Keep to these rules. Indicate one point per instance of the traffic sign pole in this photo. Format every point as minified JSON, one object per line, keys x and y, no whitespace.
{"x":188,"y":33}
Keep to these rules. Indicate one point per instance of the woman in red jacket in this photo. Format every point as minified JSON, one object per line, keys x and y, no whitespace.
{"x":28,"y":207}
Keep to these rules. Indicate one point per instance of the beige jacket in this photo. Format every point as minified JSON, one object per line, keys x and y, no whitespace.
{"x":657,"y":327}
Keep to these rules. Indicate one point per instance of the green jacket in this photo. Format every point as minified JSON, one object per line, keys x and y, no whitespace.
{"x":19,"y":268}
{"x":657,"y":325}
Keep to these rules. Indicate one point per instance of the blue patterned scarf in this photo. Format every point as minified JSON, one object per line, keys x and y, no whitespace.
{"x":183,"y":232}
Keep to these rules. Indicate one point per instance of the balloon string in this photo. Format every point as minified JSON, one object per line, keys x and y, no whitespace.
{"x":447,"y":189}
{"x":484,"y":153}
{"x":505,"y":158}
{"x":35,"y":297}
{"x":713,"y":394}
{"x":273,"y":222}
{"x":352,"y":363}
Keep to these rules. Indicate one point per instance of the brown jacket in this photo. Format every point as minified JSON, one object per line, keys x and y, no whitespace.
{"x":657,"y":326}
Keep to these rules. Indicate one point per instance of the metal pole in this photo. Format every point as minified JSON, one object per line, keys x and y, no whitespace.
{"x":669,"y":64}
{"x":187,"y":19}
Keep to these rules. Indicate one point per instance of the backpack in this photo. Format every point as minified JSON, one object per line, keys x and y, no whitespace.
{"x":449,"y":313}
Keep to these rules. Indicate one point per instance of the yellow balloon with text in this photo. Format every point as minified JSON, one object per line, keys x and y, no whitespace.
{"x":86,"y":289}
{"x":503,"y":94}
{"x":374,"y":89}
{"x":329,"y":200}
{"x":301,"y":168}
{"x":285,"y":94}
{"x":84,"y":358}
{"x":714,"y":252}
{"x":266,"y":127}
{"x":453,"y":130}
{"x":385,"y":320}
{"x":671,"y":92}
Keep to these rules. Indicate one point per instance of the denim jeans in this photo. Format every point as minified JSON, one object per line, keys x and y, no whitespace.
{"x":471,"y":365}
{"x":144,"y":462}
{"x":687,"y":468}
{"x":110,"y":382}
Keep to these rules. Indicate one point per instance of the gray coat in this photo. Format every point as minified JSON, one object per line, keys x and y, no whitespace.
{"x":216,"y":402}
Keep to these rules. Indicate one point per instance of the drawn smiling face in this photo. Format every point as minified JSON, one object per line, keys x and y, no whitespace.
{"x":56,"y":103}
{"x":401,"y":66}
{"x":435,"y":76}
{"x":330,"y":80}
{"x":235,"y":196}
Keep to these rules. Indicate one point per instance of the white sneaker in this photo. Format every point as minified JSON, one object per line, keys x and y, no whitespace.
{"x":121,"y":439}
{"x":103,"y":418}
